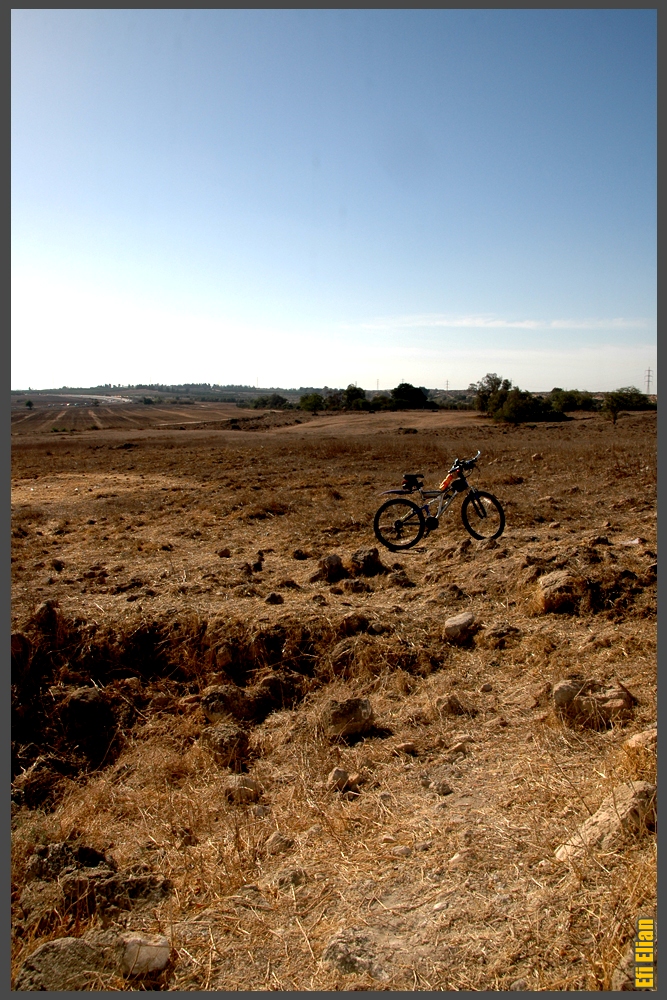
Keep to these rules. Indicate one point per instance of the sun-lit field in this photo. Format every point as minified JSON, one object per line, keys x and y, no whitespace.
{"x":162,"y":551}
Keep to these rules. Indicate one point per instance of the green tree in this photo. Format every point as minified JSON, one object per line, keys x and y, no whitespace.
{"x":565,"y":401}
{"x":383,"y":402}
{"x":490,"y":392}
{"x":272,"y":402}
{"x":351,"y":395}
{"x":312,"y":403}
{"x":627,"y":398}
{"x":29,"y":404}
{"x":501,"y":400}
{"x":334,"y":400}
{"x":409,"y":397}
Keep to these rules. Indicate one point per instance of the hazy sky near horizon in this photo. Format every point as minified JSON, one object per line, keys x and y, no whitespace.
{"x":318,"y":197}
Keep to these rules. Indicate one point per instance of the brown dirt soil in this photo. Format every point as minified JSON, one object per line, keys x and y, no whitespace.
{"x":137,"y":576}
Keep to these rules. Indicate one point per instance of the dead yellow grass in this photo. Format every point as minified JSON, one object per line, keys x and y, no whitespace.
{"x":478,"y":901}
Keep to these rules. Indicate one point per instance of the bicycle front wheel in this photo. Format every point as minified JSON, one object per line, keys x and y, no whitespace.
{"x":482,"y":515}
{"x":399,"y":524}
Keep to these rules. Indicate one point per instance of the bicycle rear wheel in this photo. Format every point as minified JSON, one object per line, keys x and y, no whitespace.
{"x":398,"y":524}
{"x":482,"y":515}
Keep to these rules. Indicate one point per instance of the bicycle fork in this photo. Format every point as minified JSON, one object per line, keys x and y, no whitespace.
{"x":478,"y":506}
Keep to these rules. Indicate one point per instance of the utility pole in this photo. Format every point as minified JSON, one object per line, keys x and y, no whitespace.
{"x":377,"y":384}
{"x":648,"y":375}
{"x":447,"y":386}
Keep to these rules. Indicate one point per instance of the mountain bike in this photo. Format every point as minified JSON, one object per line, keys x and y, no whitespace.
{"x":400,"y":523}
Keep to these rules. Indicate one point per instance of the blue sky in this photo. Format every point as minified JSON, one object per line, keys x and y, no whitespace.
{"x":321,"y":197}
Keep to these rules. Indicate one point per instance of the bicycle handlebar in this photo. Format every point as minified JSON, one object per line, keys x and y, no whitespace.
{"x":465,"y":464}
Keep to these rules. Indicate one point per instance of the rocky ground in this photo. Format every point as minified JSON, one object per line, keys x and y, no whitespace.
{"x":252,"y":749}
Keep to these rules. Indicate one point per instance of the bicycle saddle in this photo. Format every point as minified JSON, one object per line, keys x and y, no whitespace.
{"x":411,"y":480}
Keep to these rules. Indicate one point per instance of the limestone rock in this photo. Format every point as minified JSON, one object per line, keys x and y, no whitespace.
{"x":241,"y":789}
{"x":366,"y":562}
{"x":143,"y":953}
{"x":227,"y":742}
{"x":330,"y":570}
{"x":647,"y":740}
{"x":628,"y":811}
{"x":449,"y":704}
{"x":459,"y":628}
{"x":399,"y":578}
{"x":592,"y":703}
{"x":63,"y":964}
{"x":131,"y":953}
{"x":348,"y":718}
{"x":353,"y":623}
{"x":337,"y":779}
{"x":565,"y":692}
{"x":41,"y":902}
{"x":91,"y":890}
{"x":559,"y":591}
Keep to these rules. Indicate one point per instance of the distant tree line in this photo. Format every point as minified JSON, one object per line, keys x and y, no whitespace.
{"x":354,"y":398}
{"x":502,"y":401}
{"x":493,"y":395}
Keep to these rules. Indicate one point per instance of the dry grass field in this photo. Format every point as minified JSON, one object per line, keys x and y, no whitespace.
{"x":153,"y":558}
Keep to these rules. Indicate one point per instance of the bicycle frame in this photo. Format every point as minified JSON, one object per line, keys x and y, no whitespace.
{"x":445,"y":501}
{"x":447,"y":498}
